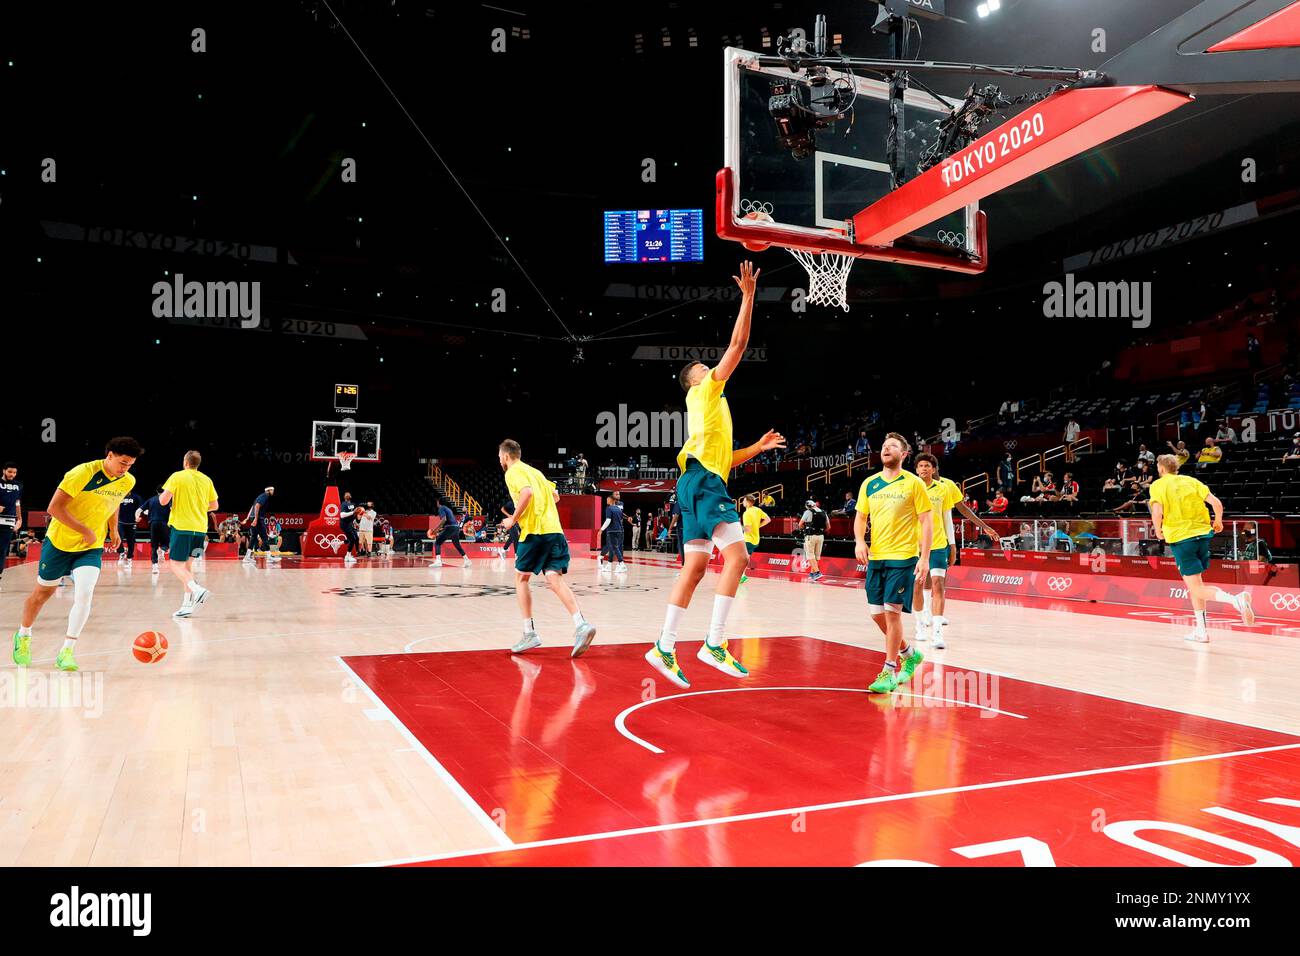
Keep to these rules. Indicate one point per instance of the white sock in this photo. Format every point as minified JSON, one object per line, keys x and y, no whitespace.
{"x":195,"y":587}
{"x":925,"y":601}
{"x":24,"y":631}
{"x":668,"y":638}
{"x":68,"y":642}
{"x":528,"y":625}
{"x":1200,"y":620}
{"x":578,"y":619}
{"x":1225,"y":597}
{"x":721,"y":608}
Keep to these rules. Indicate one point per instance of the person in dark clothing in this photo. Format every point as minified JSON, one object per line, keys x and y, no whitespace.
{"x":159,"y":532}
{"x":258,"y":516}
{"x":447,"y":528}
{"x":11,"y":516}
{"x":127,"y":515}
{"x":348,"y":525}
{"x":512,"y":536}
{"x":613,"y":529}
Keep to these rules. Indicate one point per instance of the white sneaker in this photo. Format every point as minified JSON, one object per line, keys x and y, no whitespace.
{"x":923,"y":619}
{"x":939,"y":622}
{"x":128,"y":564}
{"x":272,"y":557}
{"x":467,"y":563}
{"x":1243,"y":605}
{"x":620,"y":568}
{"x":348,"y":559}
{"x":153,"y":569}
{"x":1197,"y":636}
{"x":436,"y":564}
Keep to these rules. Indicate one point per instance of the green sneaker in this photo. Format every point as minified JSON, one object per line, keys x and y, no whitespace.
{"x":22,"y":649}
{"x":744,"y":578}
{"x":910,"y":663}
{"x":884,"y":683}
{"x":64,"y":661}
{"x":721,"y":658}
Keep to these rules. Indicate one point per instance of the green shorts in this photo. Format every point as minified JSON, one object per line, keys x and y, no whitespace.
{"x":939,"y":558}
{"x":750,"y":548}
{"x":704,"y":501}
{"x":890,"y":582}
{"x":1192,"y":555}
{"x":186,"y":544}
{"x":56,"y":565}
{"x":540,"y":553}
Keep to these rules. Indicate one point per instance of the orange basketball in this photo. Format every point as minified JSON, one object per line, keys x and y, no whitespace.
{"x":149,"y":647}
{"x":758,"y":245}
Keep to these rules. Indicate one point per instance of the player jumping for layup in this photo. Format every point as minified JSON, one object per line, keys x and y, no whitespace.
{"x":708,"y":514}
{"x":542,"y":547}
{"x":1179,"y":517}
{"x":895,"y":504}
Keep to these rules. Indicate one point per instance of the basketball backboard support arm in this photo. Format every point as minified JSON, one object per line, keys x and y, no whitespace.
{"x":1220,"y":46}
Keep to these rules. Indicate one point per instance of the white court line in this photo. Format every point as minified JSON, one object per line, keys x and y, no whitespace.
{"x":452,"y":783}
{"x":839,"y":805}
{"x":620,"y":722}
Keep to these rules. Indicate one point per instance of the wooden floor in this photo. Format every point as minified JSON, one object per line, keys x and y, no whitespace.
{"x":254,"y":742}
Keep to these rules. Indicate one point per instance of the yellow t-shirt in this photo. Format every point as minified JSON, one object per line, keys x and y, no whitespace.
{"x":1182,"y":456}
{"x":893,"y":508}
{"x":752,"y":519}
{"x":192,"y":492}
{"x":1182,"y":499}
{"x":540,"y":517}
{"x":95,"y":500}
{"x":943,"y":495}
{"x":1210,"y":454}
{"x":708,"y":427}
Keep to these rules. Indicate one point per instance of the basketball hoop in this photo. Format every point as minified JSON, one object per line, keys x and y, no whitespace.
{"x":828,"y":276}
{"x":345,"y":460}
{"x":828,"y":272}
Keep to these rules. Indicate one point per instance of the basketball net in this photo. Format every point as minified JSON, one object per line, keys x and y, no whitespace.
{"x":828,"y":276}
{"x":345,"y":460}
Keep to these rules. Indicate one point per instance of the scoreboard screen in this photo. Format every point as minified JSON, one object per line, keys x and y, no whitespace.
{"x":654,"y":235}
{"x":345,"y":398}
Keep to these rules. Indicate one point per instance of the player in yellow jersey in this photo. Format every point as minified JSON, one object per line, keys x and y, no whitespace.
{"x":1180,"y":519}
{"x":929,"y":589}
{"x":708,"y":514}
{"x":894,"y":504}
{"x":191,"y":495}
{"x":754,"y":519}
{"x":83,"y":512}
{"x":542,"y":547}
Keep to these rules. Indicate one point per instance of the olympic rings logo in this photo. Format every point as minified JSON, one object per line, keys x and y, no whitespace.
{"x":948,"y":237}
{"x":1285,"y":602}
{"x":331,"y":541}
{"x":754,"y":205}
{"x":1058,"y":584}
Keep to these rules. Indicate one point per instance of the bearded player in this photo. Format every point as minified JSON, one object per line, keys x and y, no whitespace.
{"x":895,"y":505}
{"x":709,"y":515}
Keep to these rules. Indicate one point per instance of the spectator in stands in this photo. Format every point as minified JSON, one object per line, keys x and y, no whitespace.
{"x":1255,"y":548}
{"x":862,"y":447}
{"x":1147,"y":455}
{"x":1226,"y":433}
{"x":1252,"y":351}
{"x":229,"y":531}
{"x":1069,"y":488}
{"x":1211,"y":454}
{"x":999,"y":504}
{"x":1137,"y":487}
{"x":848,"y":507}
{"x":1071,"y":436}
{"x":1006,"y":472}
{"x":1180,"y":452}
{"x":274,"y":538}
{"x":579,"y":474}
{"x":768,"y":502}
{"x":1042,"y":489}
{"x":1293,"y":453}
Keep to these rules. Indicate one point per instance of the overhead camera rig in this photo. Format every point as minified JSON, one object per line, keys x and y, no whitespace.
{"x":818,"y":99}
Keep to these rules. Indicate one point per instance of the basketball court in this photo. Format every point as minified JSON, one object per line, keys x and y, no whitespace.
{"x":316,"y":714}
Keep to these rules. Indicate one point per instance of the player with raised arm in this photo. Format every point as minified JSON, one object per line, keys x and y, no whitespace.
{"x":1179,"y":518}
{"x":542,"y":549}
{"x":894,"y":504}
{"x":709,"y":515}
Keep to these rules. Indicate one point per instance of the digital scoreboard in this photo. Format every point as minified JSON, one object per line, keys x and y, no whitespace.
{"x":654,"y":235}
